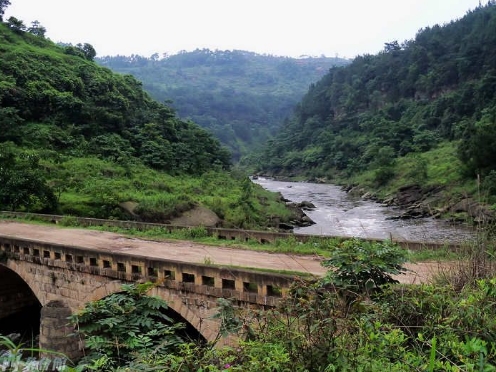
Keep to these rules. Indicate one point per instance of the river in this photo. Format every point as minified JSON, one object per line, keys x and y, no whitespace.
{"x":339,"y":214}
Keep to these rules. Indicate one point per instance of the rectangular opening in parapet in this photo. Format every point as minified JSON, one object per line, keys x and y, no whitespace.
{"x":25,"y":250}
{"x":188,"y":278}
{"x":79,"y":259}
{"x":250,"y":287}
{"x":208,"y":281}
{"x":106,"y":264}
{"x":152,"y":271}
{"x":46,"y":254}
{"x":228,"y":284}
{"x":93,"y":261}
{"x":58,"y":256}
{"x":135,"y":269}
{"x":68,"y":257}
{"x":274,"y":291}
{"x":169,"y":275}
{"x":36,"y":252}
{"x":121,"y":267}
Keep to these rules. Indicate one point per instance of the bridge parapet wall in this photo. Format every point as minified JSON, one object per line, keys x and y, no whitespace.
{"x":245,"y":286}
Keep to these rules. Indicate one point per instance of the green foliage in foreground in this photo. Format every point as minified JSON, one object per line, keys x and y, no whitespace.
{"x":360,"y":266}
{"x":122,"y":324}
{"x":316,"y":328}
{"x":16,"y":357}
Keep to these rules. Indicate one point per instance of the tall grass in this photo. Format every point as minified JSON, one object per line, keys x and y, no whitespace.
{"x":15,"y":357}
{"x":477,"y":258}
{"x":92,"y":187}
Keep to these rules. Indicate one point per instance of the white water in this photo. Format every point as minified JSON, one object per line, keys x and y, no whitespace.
{"x":339,"y":214}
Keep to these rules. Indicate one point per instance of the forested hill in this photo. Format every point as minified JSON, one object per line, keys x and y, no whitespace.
{"x":434,"y":94}
{"x":80,"y":140}
{"x":241,"y":97}
{"x":58,"y":98}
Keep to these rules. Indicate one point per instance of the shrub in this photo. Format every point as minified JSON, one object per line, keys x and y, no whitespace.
{"x":118,"y":326}
{"x":360,"y":266}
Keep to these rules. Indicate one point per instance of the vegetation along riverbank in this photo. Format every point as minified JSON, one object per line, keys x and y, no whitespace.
{"x":412,"y":124}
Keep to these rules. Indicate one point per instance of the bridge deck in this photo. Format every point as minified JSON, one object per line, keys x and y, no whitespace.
{"x":183,"y":250}
{"x":167,"y":249}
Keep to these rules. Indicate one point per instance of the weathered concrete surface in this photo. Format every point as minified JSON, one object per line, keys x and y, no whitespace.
{"x":167,"y":249}
{"x":189,"y":252}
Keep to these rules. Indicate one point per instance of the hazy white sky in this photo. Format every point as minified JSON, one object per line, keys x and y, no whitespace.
{"x":279,"y":27}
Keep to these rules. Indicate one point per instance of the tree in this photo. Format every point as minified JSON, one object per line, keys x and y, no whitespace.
{"x":22,"y":185}
{"x":37,"y":29}
{"x":477,"y":151}
{"x":362,"y":267}
{"x":392,"y":46}
{"x":3,"y":5}
{"x":10,"y":122}
{"x":16,"y":24}
{"x":88,"y":51}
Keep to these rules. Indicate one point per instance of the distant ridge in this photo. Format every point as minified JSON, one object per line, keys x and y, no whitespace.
{"x":241,"y":97}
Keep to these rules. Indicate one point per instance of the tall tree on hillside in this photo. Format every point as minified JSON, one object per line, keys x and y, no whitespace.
{"x":37,"y":29}
{"x":22,"y":182}
{"x":88,"y":50}
{"x":3,"y":5}
{"x":16,"y":24}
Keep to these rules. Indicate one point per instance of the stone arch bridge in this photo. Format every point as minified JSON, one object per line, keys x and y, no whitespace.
{"x":63,"y":278}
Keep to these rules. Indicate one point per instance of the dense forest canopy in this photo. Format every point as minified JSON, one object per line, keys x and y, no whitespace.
{"x":79,"y":139}
{"x":437,"y":88}
{"x":84,"y":107}
{"x":241,"y":97}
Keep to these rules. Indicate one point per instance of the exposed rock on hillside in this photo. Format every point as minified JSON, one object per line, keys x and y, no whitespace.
{"x":198,"y":216}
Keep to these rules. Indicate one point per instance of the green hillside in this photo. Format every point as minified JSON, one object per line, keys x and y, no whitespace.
{"x":423,"y":112}
{"x":76,"y":138}
{"x":241,"y":97}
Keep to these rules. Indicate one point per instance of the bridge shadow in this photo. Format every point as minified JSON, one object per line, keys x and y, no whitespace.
{"x":189,"y":332}
{"x":20,"y":310}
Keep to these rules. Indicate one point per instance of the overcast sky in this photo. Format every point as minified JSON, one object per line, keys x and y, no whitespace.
{"x":279,"y":27}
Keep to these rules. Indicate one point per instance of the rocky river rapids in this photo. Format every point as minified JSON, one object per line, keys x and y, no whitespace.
{"x":337,"y":213}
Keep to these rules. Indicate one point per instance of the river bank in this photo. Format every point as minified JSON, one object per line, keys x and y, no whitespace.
{"x":416,"y":201}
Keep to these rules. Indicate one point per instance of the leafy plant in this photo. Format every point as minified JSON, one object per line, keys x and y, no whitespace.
{"x":16,"y":357}
{"x":362,"y":266}
{"x":119,"y":326}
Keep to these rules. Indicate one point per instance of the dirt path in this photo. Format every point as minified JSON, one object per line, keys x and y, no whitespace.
{"x":186,"y":251}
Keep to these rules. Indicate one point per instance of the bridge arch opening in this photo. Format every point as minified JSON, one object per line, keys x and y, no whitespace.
{"x":20,"y":309}
{"x":189,"y":333}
